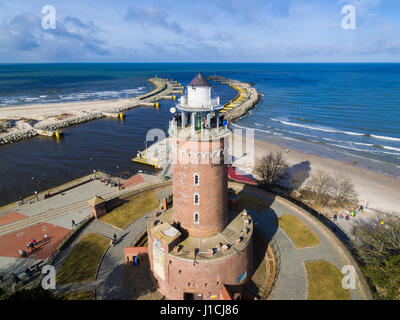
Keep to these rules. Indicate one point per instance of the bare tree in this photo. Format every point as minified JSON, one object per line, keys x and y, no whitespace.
{"x":321,"y":187}
{"x":270,"y":168}
{"x":344,"y":191}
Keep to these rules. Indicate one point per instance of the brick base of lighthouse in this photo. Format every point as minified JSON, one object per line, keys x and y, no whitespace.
{"x":183,"y":271}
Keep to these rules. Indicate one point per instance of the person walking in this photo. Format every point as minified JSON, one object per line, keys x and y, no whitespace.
{"x":114,"y":241}
{"x":30,"y":245}
{"x":22,"y":253}
{"x":73,"y":224}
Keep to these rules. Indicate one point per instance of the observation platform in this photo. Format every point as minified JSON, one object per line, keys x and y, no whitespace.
{"x":203,"y":134}
{"x":232,"y":240}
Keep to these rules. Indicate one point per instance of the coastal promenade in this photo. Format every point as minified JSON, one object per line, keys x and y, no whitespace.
{"x":53,"y":216}
{"x":68,"y":205}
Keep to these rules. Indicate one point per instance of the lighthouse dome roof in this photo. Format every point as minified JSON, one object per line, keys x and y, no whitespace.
{"x":199,"y":81}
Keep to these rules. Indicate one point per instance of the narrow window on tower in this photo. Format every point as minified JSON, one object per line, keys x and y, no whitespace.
{"x":196,"y":199}
{"x":196,"y":179}
{"x":196,"y":218}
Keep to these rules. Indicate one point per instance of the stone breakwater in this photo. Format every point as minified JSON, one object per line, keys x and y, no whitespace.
{"x":12,"y":137}
{"x":68,"y":122}
{"x":246,"y":99}
{"x":52,"y":118}
{"x":241,"y":110}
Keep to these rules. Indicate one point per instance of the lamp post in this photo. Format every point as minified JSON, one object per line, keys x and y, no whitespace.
{"x":46,"y":237}
{"x":33,"y":184}
{"x":36,"y":194}
{"x":94,"y":172}
{"x":119,"y":188}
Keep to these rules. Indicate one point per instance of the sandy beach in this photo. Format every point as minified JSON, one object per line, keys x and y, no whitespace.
{"x":374,"y":190}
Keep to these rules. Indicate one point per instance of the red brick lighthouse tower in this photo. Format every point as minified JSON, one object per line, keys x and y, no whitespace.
{"x":200,"y":247}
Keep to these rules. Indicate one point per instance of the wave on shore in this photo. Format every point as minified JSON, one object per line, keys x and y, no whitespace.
{"x":71,"y":97}
{"x":361,"y":146}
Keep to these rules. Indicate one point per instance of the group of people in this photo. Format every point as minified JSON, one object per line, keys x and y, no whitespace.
{"x":347,"y":214}
{"x":32,"y":245}
{"x":47,"y":195}
{"x":29,"y":271}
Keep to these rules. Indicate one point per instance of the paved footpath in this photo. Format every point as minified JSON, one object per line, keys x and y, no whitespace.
{"x":111,"y":271}
{"x":292,"y":280}
{"x":109,"y":282}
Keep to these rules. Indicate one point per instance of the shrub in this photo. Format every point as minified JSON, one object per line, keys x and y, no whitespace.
{"x":377,"y":247}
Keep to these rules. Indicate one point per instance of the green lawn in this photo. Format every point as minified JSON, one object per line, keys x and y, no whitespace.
{"x":81,"y":263}
{"x":78,"y":295}
{"x":301,"y":235}
{"x":136,"y":207}
{"x":253,"y":203}
{"x":325,"y":282}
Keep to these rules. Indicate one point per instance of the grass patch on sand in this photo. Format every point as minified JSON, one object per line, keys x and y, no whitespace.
{"x":136,"y":207}
{"x":78,"y":295}
{"x":325,"y":282}
{"x":301,"y":235}
{"x":253,"y":203}
{"x":81,"y":263}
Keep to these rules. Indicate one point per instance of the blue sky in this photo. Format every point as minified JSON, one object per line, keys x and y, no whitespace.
{"x":200,"y":31}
